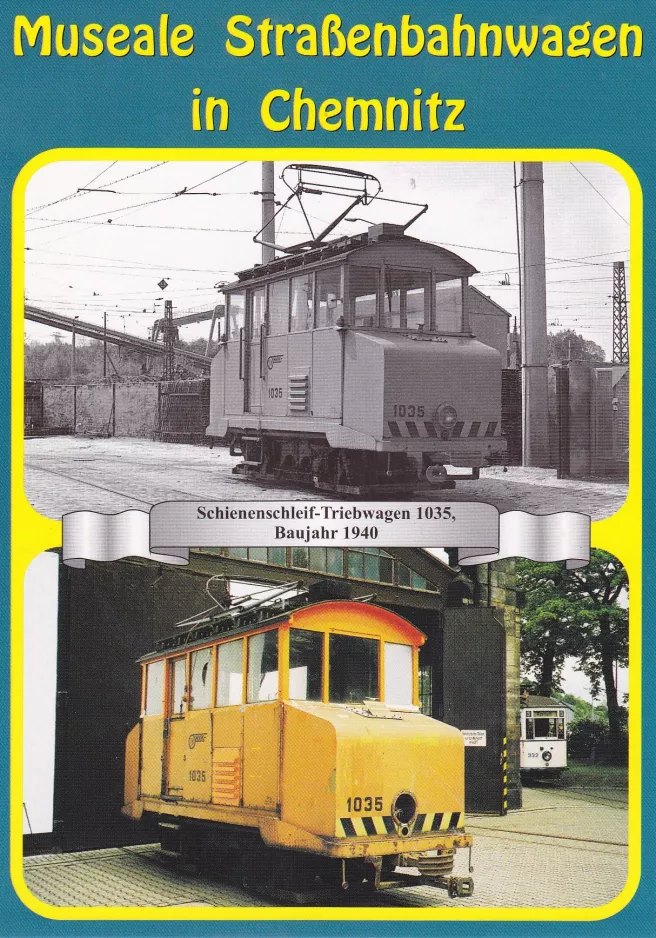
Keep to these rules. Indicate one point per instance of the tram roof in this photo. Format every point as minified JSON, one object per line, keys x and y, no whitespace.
{"x":536,"y":702}
{"x":232,"y":624}
{"x":341,"y":247}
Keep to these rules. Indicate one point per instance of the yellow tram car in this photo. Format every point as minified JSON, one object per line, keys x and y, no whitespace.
{"x":292,"y":741}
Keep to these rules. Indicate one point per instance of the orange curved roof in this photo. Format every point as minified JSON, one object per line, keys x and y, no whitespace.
{"x":362,"y":618}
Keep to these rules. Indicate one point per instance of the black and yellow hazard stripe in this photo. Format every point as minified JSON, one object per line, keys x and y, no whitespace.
{"x":504,"y":763}
{"x":383,"y":825}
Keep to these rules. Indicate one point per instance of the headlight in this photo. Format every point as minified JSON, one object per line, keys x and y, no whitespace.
{"x":546,"y":756}
{"x":404,"y":809}
{"x":446,"y":416}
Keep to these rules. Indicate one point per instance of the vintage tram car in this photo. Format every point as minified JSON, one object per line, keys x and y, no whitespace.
{"x":350,"y":365}
{"x":288,"y":743}
{"x":543,"y":737}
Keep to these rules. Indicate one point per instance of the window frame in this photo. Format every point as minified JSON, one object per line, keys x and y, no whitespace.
{"x":331,"y":633}
{"x":146,"y":683}
{"x":171,"y":683}
{"x":428,"y":273}
{"x":217,"y":672}
{"x":277,"y":631}
{"x":311,"y":294}
{"x":212,"y":664}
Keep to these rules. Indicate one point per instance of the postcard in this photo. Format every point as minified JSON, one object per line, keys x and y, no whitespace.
{"x":326,"y":426}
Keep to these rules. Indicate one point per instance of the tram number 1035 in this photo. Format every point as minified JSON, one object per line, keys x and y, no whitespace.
{"x":409,"y":410}
{"x":368,"y":803}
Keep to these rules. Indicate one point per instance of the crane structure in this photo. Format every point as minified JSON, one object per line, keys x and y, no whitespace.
{"x":116,"y":337}
{"x":620,"y":315}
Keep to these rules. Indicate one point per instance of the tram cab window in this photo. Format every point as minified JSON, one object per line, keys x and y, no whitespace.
{"x":544,"y":725}
{"x":405,"y":298}
{"x":330,"y":292}
{"x":201,"y":679}
{"x":305,"y":664}
{"x":302,"y":304}
{"x":449,"y":305}
{"x":235,"y":314}
{"x":353,"y":669}
{"x":178,"y":685}
{"x":257,"y":312}
{"x":154,"y":689}
{"x":363,"y":290}
{"x":398,"y":674}
{"x":230,"y":673}
{"x":278,"y":307}
{"x":263,"y":666}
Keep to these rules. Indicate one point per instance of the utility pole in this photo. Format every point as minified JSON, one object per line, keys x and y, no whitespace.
{"x":73,"y":369}
{"x":104,"y":345}
{"x":268,"y":211}
{"x":620,"y":315}
{"x":168,"y":340}
{"x":535,"y":410}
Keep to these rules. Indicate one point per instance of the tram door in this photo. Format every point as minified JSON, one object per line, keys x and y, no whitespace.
{"x":252,"y":371}
{"x":474,"y":695}
{"x":175,"y":731}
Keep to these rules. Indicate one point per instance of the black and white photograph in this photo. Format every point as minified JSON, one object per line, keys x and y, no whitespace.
{"x":279,"y":329}
{"x":362,"y":727}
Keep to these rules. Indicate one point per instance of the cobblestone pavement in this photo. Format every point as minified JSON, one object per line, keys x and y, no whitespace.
{"x":557,"y":851}
{"x":68,"y":473}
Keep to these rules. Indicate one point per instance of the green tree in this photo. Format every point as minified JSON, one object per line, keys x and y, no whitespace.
{"x":567,"y":345}
{"x":548,"y":633}
{"x":582,"y":614}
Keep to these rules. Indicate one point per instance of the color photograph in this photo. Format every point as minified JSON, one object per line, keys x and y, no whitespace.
{"x":322,"y":727}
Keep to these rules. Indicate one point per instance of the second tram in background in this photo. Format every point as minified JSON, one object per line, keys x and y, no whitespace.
{"x":350,"y":364}
{"x":543,"y":738}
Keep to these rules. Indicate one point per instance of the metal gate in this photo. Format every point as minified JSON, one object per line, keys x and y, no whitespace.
{"x":474,"y":694}
{"x":183,"y":410}
{"x":33,"y":418}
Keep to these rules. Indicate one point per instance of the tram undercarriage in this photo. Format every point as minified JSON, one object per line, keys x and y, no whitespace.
{"x":240,"y":855}
{"x":310,"y":461}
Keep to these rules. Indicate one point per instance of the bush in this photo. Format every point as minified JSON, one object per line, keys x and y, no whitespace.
{"x":586,"y":738}
{"x":590,"y":739}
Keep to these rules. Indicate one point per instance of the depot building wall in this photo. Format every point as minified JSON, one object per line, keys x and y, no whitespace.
{"x":109,"y":615}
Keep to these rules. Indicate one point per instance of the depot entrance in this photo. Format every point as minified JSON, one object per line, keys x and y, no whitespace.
{"x":109,"y":614}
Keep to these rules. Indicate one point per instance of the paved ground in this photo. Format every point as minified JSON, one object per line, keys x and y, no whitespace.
{"x":557,"y":851}
{"x":69,"y":473}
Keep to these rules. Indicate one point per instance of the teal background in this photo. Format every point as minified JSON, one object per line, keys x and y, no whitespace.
{"x":139,"y":102}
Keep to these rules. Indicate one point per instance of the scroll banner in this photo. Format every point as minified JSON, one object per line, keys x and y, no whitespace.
{"x":479,"y":532}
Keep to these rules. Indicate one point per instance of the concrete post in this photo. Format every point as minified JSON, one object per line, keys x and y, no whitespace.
{"x":268,"y":209}
{"x":535,"y":430}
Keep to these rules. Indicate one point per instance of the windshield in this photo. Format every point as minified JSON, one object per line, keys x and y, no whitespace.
{"x":405,"y":298}
{"x":353,"y":669}
{"x":405,"y":304}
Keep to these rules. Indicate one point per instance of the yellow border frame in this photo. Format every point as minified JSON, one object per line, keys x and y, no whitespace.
{"x":31,"y":534}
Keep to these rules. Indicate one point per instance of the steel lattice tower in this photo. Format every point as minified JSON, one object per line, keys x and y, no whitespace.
{"x":620,"y":315}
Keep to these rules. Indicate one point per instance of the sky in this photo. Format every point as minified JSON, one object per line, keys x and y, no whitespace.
{"x":100,"y":235}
